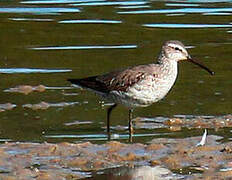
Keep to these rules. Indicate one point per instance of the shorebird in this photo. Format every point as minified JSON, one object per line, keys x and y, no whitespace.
{"x":142,"y":85}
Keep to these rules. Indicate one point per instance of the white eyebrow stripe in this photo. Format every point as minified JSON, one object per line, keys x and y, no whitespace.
{"x":175,"y":45}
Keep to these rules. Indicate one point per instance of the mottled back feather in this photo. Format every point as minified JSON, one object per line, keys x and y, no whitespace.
{"x":116,"y":80}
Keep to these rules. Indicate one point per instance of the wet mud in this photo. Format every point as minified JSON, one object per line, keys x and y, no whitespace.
{"x":26,"y":89}
{"x":7,"y":106}
{"x":184,"y":121}
{"x":161,"y":158}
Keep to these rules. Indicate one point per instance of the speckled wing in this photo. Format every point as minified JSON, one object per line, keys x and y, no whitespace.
{"x":122,"y":80}
{"x":117,"y":80}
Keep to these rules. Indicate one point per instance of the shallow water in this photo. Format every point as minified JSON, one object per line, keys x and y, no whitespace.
{"x":46,"y":42}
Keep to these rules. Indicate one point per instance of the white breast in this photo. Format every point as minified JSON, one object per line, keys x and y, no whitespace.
{"x":153,"y":89}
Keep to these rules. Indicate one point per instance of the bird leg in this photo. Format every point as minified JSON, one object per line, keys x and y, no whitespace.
{"x":109,"y":110}
{"x":131,"y":131}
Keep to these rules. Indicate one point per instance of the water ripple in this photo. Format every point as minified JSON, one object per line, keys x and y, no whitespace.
{"x":182,"y":4}
{"x":37,"y":10}
{"x":175,"y":14}
{"x":101,"y":136}
{"x":83,"y":21}
{"x":124,"y":3}
{"x":31,"y":19}
{"x":181,"y":10}
{"x":29,"y":70}
{"x":207,"y":1}
{"x":188,"y":25}
{"x":217,"y":14}
{"x":84,"y":47}
{"x":58,"y":1}
{"x":134,"y":7}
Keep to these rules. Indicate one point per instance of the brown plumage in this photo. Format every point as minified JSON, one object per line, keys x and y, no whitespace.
{"x":116,"y":80}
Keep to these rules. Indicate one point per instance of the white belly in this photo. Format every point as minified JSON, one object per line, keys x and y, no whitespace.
{"x":149,"y":90}
{"x":144,"y":93}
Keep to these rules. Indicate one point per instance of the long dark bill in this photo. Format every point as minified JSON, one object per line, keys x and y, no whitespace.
{"x":201,"y":65}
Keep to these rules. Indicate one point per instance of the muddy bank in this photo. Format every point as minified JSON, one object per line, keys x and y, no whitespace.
{"x":184,"y":121}
{"x":173,"y":158}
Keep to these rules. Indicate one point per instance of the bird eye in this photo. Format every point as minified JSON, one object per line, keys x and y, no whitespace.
{"x":176,"y":48}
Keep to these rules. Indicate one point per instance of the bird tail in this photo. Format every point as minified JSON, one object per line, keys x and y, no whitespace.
{"x":89,"y":83}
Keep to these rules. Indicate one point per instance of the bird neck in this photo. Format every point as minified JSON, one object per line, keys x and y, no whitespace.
{"x":167,"y":65}
{"x":163,"y":60}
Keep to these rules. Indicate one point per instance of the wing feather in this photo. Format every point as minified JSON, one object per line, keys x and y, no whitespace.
{"x":117,"y":80}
